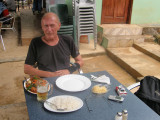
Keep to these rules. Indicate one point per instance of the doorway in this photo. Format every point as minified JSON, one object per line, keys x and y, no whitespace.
{"x":116,"y":11}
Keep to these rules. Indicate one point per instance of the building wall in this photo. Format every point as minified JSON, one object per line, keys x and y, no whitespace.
{"x":145,"y":12}
{"x":98,"y":11}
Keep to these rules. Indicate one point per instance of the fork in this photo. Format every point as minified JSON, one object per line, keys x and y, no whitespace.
{"x":93,"y":77}
{"x":59,"y":109}
{"x":89,"y":109}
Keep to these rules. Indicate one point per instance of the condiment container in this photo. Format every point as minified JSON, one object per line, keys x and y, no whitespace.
{"x":124,"y":115}
{"x":118,"y":116}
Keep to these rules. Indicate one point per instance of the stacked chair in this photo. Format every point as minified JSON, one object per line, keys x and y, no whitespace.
{"x":84,"y":11}
{"x":67,"y":22}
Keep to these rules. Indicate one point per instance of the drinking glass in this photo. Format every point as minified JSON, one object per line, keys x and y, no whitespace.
{"x":42,"y":90}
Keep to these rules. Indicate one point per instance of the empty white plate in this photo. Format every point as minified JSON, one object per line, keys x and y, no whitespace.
{"x":73,"y":83}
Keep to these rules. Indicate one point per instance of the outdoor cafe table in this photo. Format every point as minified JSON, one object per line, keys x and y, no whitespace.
{"x":102,"y":109}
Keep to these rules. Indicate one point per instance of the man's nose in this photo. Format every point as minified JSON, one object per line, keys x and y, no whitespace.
{"x":49,"y":28}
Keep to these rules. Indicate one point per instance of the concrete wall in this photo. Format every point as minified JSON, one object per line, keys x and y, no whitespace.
{"x":145,"y":12}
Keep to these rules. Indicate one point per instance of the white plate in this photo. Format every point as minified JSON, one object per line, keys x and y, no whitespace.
{"x":73,"y":83}
{"x":78,"y":100}
{"x":29,"y":90}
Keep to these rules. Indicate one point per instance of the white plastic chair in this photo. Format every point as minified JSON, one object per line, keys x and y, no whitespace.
{"x":133,"y":86}
{"x":10,"y":25}
{"x":2,"y":38}
{"x":84,"y":11}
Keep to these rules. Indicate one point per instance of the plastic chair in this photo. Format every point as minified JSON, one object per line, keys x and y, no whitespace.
{"x":1,"y":37}
{"x":8,"y":23}
{"x":85,"y":19}
{"x":67,"y":22}
{"x":134,"y":87}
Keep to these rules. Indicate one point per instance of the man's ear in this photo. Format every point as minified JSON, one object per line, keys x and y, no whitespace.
{"x":59,"y":26}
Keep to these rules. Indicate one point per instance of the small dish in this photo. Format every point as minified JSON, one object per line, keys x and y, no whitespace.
{"x":100,"y":89}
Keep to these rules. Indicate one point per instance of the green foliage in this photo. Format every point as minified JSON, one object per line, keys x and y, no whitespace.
{"x":157,"y":39}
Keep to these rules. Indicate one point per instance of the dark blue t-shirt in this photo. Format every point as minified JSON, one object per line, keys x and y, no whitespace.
{"x":51,"y":58}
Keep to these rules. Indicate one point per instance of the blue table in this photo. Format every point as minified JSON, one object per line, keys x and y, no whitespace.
{"x":102,"y":108}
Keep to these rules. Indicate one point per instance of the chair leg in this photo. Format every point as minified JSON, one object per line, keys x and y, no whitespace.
{"x":2,"y":42}
{"x":95,"y":39}
{"x":14,"y":30}
{"x":88,"y":38}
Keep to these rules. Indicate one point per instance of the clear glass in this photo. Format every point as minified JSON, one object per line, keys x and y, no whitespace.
{"x":42,"y":90}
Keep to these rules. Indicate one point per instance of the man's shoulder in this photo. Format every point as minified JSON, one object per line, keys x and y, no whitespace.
{"x":68,"y":37}
{"x":36,"y":40}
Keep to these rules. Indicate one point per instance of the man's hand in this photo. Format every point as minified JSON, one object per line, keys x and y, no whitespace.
{"x":62,"y":72}
{"x":30,"y":70}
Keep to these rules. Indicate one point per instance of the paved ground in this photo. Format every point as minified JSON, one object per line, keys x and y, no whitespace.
{"x":12,"y":102}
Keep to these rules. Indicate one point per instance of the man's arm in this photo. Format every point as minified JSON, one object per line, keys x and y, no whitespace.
{"x":30,"y":70}
{"x":79,"y":60}
{"x":71,"y":69}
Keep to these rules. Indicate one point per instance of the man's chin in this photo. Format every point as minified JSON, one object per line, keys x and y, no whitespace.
{"x":50,"y":37}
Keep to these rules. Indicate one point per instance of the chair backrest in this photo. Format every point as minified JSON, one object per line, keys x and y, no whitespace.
{"x":62,"y":12}
{"x":8,"y":23}
{"x":133,"y":86}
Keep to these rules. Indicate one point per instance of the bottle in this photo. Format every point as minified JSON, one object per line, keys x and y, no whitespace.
{"x":124,"y":115}
{"x":118,"y":116}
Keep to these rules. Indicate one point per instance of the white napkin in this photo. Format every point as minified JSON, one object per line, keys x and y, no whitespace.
{"x":103,"y":79}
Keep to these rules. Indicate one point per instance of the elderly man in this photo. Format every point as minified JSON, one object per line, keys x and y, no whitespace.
{"x":52,"y":52}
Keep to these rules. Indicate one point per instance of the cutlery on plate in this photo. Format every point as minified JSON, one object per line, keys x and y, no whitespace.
{"x":59,"y":109}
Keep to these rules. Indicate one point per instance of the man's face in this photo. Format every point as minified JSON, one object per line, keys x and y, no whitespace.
{"x":50,"y":26}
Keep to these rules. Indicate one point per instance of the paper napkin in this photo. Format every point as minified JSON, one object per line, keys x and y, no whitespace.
{"x":103,"y":79}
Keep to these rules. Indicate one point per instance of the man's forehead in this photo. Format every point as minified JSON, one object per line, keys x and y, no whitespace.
{"x":50,"y":19}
